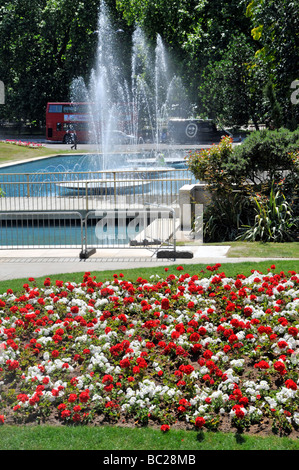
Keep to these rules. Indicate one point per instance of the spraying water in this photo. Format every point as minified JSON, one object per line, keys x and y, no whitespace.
{"x":131,"y":95}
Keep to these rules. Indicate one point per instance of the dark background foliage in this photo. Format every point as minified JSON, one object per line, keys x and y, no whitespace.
{"x":237,"y":58}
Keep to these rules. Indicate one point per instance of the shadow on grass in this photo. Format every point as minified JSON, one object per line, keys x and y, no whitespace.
{"x":200,"y":436}
{"x":240,"y":439}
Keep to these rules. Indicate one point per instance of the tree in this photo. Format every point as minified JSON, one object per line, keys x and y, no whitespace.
{"x":230,"y":91}
{"x":46,"y":44}
{"x":275,"y":25}
{"x":197,"y":32}
{"x":267,"y":164}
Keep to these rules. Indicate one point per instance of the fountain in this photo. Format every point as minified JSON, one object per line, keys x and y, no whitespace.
{"x":131,"y":93}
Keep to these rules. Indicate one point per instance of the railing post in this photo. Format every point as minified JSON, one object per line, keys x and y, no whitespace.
{"x":28,"y":185}
{"x":86,"y":196}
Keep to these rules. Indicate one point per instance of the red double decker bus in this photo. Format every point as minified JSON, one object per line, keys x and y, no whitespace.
{"x":62,"y":117}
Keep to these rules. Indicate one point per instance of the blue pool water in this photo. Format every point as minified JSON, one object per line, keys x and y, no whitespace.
{"x":23,"y":179}
{"x":87,"y":163}
{"x":24,"y":234}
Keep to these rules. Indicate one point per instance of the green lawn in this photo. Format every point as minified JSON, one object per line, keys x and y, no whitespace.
{"x":241,"y":249}
{"x":121,"y":438}
{"x":230,"y":269}
{"x":14,"y":153}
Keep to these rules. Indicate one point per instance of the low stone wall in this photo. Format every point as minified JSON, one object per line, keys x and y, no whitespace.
{"x":192,"y":200}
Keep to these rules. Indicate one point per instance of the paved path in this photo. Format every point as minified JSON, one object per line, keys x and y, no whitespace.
{"x":15,"y":264}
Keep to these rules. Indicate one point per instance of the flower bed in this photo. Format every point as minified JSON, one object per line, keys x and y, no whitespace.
{"x":198,"y":352}
{"x":21,"y":143}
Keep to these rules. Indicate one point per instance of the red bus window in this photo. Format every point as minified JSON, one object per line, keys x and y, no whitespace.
{"x":55,"y":108}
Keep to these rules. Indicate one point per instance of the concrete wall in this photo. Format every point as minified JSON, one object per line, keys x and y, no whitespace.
{"x":192,"y":200}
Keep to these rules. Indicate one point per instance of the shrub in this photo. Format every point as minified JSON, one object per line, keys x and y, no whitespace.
{"x":209,"y":166}
{"x":274,"y":221}
{"x":224,"y":217}
{"x":264,"y":157}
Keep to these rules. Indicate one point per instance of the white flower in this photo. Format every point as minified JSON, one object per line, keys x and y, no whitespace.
{"x":272,"y":403}
{"x":237,"y":362}
{"x":296,"y":418}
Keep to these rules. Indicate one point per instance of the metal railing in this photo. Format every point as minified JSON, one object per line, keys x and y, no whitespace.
{"x":46,"y":229}
{"x":90,"y":210}
{"x":77,"y":191}
{"x":151,"y":228}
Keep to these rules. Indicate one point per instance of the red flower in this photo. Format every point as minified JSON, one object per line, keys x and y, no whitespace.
{"x":124,"y":363}
{"x":291,"y":384}
{"x":239,"y":413}
{"x":65,"y":414}
{"x":194,"y":337}
{"x":165,"y":427}
{"x":73,"y":397}
{"x":199,"y":422}
{"x":84,"y":396}
{"x":165,"y":304}
{"x":76,"y":418}
{"x":293,"y":331}
{"x":107,"y":378}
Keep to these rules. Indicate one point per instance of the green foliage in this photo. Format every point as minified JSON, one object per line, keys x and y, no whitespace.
{"x":265,"y":156}
{"x":275,"y":114}
{"x":172,"y":21}
{"x":231,"y":90}
{"x":274,"y":221}
{"x":46,"y":43}
{"x":229,"y":208}
{"x":225,"y":216}
{"x":227,"y":52}
{"x":208,"y":165}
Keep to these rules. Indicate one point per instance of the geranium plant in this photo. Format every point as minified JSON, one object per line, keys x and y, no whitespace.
{"x":202,"y":351}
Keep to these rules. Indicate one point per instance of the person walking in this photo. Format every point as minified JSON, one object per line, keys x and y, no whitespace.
{"x":74,"y":139}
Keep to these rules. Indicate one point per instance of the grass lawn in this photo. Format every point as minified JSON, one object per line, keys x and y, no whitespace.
{"x":263,"y":250}
{"x":230,"y":269}
{"x":14,"y":153}
{"x":113,"y":438}
{"x":241,"y":249}
{"x":121,"y":438}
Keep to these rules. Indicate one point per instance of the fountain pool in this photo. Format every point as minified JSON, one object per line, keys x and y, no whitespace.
{"x":64,"y":174}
